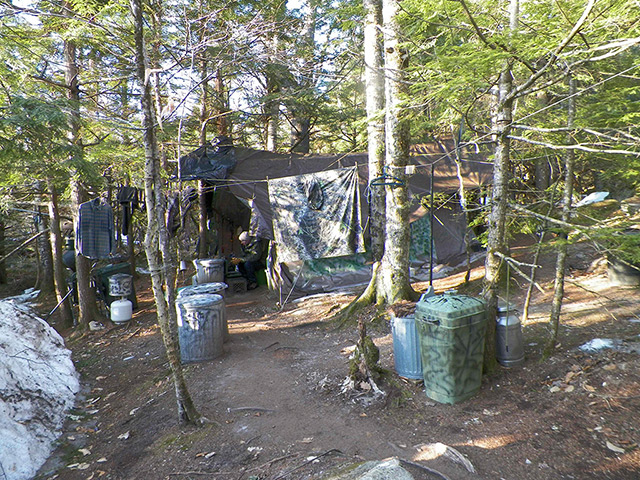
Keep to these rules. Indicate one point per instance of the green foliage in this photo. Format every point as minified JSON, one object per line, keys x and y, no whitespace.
{"x":33,"y":137}
{"x":620,"y":242}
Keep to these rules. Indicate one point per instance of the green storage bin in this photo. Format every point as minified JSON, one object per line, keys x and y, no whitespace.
{"x":451,"y":331}
{"x":261,"y":277}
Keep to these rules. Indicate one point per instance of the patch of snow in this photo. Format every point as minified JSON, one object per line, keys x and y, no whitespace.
{"x":597,"y":344}
{"x":38,"y":383}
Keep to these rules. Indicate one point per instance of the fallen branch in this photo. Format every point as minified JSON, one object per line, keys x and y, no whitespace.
{"x":272,"y":461}
{"x":195,"y":473}
{"x":269,"y":346}
{"x":431,"y":471}
{"x":311,"y":460}
{"x":24,"y":244}
{"x":597,"y":294}
{"x":249,"y":409}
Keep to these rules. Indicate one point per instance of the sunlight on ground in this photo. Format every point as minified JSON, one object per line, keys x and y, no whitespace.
{"x":494,"y":442}
{"x":629,"y":461}
{"x":382,"y":341}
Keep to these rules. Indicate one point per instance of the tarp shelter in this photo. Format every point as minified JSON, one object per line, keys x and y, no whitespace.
{"x":247,"y":182}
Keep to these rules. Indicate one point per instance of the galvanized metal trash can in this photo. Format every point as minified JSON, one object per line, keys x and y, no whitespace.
{"x":200,"y":327}
{"x":209,"y":288}
{"x":209,"y":270}
{"x":406,"y":347}
{"x":452,"y":332}
{"x":509,"y":343}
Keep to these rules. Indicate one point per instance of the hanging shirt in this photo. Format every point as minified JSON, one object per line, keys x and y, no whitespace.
{"x":129,"y":199}
{"x":95,"y":232}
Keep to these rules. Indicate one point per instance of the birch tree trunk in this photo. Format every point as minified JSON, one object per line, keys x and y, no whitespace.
{"x":158,"y":250}
{"x":374,"y":86}
{"x":496,"y":239}
{"x":375,"y":98}
{"x":561,"y":258}
{"x":496,"y":244}
{"x":393,"y":281}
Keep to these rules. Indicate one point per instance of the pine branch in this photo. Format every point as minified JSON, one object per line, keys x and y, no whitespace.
{"x":553,"y":58}
{"x":578,"y":146}
{"x":514,"y":265}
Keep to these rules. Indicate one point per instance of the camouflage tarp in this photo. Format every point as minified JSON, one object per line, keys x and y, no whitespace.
{"x":317,"y":215}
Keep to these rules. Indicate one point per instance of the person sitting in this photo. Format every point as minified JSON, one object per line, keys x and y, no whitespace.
{"x":251,"y":259}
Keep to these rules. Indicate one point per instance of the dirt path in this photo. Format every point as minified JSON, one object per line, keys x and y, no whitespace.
{"x":277,"y":411}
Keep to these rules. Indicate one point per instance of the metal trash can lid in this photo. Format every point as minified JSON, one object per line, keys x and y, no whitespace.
{"x":203,"y":288}
{"x":209,"y":262}
{"x":203,"y":300}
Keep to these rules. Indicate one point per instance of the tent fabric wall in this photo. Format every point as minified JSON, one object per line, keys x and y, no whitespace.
{"x":253,"y":169}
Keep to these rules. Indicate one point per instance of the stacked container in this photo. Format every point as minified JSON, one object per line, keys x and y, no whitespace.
{"x":200,"y":327}
{"x":209,"y":270}
{"x":217,"y":288}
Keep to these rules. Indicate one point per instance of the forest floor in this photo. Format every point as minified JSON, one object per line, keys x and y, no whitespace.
{"x":277,"y":408}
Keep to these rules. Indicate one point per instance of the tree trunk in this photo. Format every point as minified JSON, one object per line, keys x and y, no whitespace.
{"x":221,"y":105}
{"x":561,"y":259}
{"x":3,"y":264}
{"x":273,"y":81}
{"x":87,"y":308}
{"x":131,"y":251}
{"x":203,"y":236}
{"x":374,"y":85}
{"x":272,"y":109}
{"x":56,"y":247}
{"x":300,"y":111}
{"x":157,"y":247}
{"x":374,"y":94}
{"x":393,"y":276}
{"x":45,"y":263}
{"x":300,"y":128}
{"x":496,"y":244}
{"x":496,"y":239}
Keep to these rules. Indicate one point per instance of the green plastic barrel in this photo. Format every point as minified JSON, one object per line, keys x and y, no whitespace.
{"x":451,"y":331}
